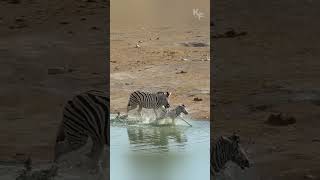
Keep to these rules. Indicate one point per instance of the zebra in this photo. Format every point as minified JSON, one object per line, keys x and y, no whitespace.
{"x":227,"y":149}
{"x":173,"y":113}
{"x":148,"y":100}
{"x":86,"y":115}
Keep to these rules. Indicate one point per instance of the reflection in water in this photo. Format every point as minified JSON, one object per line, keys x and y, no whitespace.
{"x":144,"y":152}
{"x":143,"y":138}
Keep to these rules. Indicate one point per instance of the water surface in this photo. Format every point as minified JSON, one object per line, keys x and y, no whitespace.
{"x":172,"y":152}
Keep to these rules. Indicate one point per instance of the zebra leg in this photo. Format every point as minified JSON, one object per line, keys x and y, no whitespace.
{"x":95,"y":155}
{"x":173,"y":121}
{"x":65,"y":147}
{"x":139,"y":110}
{"x":155,"y":112}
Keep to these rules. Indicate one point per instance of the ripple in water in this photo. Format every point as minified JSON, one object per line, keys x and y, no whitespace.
{"x":143,"y":151}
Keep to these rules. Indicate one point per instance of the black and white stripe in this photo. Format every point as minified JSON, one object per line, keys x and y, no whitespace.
{"x":227,"y":149}
{"x":85,"y":116}
{"x":173,"y":113}
{"x":148,"y":100}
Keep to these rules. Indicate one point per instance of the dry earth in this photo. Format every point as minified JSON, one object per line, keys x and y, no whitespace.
{"x":274,"y":68}
{"x":173,"y":53}
{"x":49,"y":51}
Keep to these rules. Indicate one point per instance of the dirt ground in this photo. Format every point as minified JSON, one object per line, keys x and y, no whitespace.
{"x":173,"y":53}
{"x":272,"y":69}
{"x":49,"y":51}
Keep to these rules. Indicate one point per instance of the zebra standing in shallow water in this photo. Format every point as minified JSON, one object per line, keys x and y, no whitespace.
{"x":174,"y":113}
{"x":227,"y":149}
{"x":148,"y":100}
{"x":86,"y":115}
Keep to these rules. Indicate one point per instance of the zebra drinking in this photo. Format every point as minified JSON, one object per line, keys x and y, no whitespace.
{"x":86,"y":115}
{"x":227,"y":149}
{"x":173,"y":113}
{"x":148,"y":100}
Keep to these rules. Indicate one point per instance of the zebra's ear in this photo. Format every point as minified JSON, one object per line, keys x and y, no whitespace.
{"x":235,"y":138}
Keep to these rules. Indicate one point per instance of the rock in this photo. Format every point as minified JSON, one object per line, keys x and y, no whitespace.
{"x":58,"y":70}
{"x":14,"y":1}
{"x":94,"y":28}
{"x":19,"y":19}
{"x":309,"y":176}
{"x":64,"y":22}
{"x":280,"y":120}
{"x":197,"y":99}
{"x":181,"y":72}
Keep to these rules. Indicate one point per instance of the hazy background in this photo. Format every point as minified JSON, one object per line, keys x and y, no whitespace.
{"x":177,"y":13}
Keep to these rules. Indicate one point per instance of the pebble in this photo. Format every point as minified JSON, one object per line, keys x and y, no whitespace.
{"x":309,"y":176}
{"x":54,"y":71}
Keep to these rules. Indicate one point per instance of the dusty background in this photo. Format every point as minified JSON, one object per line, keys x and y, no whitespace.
{"x":173,"y":54}
{"x":49,"y":51}
{"x":274,"y":68}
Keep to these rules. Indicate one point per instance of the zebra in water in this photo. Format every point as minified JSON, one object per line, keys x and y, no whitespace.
{"x":86,"y":115}
{"x":227,"y":149}
{"x":173,"y":113}
{"x":148,"y":100}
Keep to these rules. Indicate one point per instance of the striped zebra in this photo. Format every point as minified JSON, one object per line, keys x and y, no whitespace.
{"x":173,"y":113}
{"x":227,"y":149}
{"x":86,"y":115}
{"x":148,"y":100}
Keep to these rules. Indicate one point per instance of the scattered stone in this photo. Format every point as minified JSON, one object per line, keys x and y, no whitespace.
{"x":280,"y":120}
{"x":157,"y":38}
{"x":140,"y":41}
{"x":197,"y":99}
{"x":194,"y":44}
{"x":230,"y":34}
{"x":137,"y":45}
{"x":309,"y":176}
{"x":95,"y":28}
{"x":64,"y":22}
{"x":54,"y":71}
{"x":19,"y":19}
{"x":83,"y":19}
{"x":14,"y":1}
{"x":181,"y":72}
{"x":259,"y":107}
{"x":184,"y":59}
{"x":315,"y":140}
{"x":70,"y":32}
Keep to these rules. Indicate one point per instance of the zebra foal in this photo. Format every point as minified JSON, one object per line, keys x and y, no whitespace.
{"x":227,"y":149}
{"x":148,"y":100}
{"x":173,"y":113}
{"x":85,"y":116}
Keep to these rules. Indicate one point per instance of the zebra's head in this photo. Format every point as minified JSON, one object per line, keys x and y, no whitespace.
{"x":238,"y":156}
{"x":164,"y":96}
{"x":182,"y":108}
